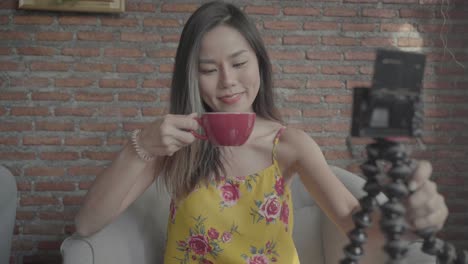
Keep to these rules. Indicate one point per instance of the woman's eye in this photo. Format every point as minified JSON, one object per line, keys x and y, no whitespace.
{"x":239,"y":64}
{"x":207,"y":70}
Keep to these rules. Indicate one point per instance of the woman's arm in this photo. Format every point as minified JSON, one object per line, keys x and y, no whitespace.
{"x":128,"y":176}
{"x":114,"y":190}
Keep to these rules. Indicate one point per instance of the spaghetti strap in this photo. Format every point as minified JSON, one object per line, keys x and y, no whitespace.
{"x":276,"y":140}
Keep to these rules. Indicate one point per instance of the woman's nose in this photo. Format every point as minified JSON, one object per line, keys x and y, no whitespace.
{"x":227,"y":77}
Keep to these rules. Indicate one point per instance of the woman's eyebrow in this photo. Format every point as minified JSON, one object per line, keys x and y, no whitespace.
{"x":233,"y":55}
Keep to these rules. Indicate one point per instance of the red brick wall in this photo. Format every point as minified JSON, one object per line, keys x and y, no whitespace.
{"x":72,"y":86}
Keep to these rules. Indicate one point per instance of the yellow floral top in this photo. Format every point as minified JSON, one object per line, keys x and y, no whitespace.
{"x":247,"y":219}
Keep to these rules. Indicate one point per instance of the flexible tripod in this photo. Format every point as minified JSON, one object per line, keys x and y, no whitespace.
{"x":397,"y":168}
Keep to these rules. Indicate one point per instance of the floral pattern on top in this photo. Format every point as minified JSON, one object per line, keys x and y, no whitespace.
{"x":264,"y":255}
{"x":202,"y":244}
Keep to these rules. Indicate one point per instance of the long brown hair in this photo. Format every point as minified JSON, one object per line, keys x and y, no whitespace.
{"x":201,"y":160}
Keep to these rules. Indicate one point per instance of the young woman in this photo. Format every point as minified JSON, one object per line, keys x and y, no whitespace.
{"x":231,"y":204}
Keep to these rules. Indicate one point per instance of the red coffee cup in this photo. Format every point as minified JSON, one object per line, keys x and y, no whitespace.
{"x":226,"y":128}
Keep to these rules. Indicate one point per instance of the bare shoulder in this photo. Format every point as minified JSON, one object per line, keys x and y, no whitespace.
{"x":296,"y":146}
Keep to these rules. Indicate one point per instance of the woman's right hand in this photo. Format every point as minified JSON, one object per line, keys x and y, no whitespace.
{"x":167,"y":135}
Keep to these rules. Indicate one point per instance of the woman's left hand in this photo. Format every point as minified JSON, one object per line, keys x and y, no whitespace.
{"x":425,"y":206}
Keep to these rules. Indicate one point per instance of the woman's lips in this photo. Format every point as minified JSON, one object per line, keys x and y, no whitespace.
{"x":231,"y":99}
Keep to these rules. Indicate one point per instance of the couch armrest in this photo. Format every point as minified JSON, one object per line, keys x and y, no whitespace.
{"x":8,"y":197}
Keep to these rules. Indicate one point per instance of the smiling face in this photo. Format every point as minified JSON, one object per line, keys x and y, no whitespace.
{"x":229,"y":77}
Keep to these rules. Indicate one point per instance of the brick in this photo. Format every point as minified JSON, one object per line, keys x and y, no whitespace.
{"x":92,"y":141}
{"x":153,"y":111}
{"x":33,"y":20}
{"x":120,"y":141}
{"x":356,"y":55}
{"x":36,"y":82}
{"x":313,"y":84}
{"x":140,"y":37}
{"x":303,"y":98}
{"x":73,"y":200}
{"x":117,"y":111}
{"x":161,"y":53}
{"x":17,"y":156}
{"x":117,"y":83}
{"x":380,"y":13}
{"x":74,"y":111}
{"x":174,"y":38}
{"x":300,"y":40}
{"x":54,"y":126}
{"x":166,"y":68}
{"x":290,"y":112}
{"x":81,"y":52}
{"x":44,"y":171}
{"x":286,"y":55}
{"x":289,"y":83}
{"x":140,"y":7}
{"x":178,"y":8}
{"x":262,"y":10}
{"x":123,"y":52}
{"x":36,"y":140}
{"x":9,"y":141}
{"x":24,"y":215}
{"x":340,"y":12}
{"x":359,"y":27}
{"x":54,"y":186}
{"x":36,"y":51}
{"x":59,"y":156}
{"x":95,"y":36}
{"x":378,"y":41}
{"x":299,"y":69}
{"x":14,"y":35}
{"x":29,"y":111}
{"x":323,"y":55}
{"x":50,"y":66}
{"x":98,"y":127}
{"x":8,"y":4}
{"x":306,"y":127}
{"x":301,"y":11}
{"x":338,"y":98}
{"x":138,"y":97}
{"x":334,"y":70}
{"x":6,"y":51}
{"x":42,"y":229}
{"x":37,"y":258}
{"x":94,"y":97}
{"x":11,"y":66}
{"x":282,"y":25}
{"x":74,"y":82}
{"x":38,"y":200}
{"x":51,"y":215}
{"x":320,"y":112}
{"x":94,"y":67}
{"x":415,"y":13}
{"x":16,"y":126}
{"x":156,"y":83}
{"x":159,"y":22}
{"x":12,"y":96}
{"x":119,"y":22}
{"x":50,"y":96}
{"x":49,"y":245}
{"x":412,"y":42}
{"x":78,"y":20}
{"x":54,"y":36}
{"x":321,"y":26}
{"x":137,"y":68}
{"x":339,"y":41}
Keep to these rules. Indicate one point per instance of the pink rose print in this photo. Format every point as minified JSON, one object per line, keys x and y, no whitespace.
{"x":271,"y":208}
{"x":226,"y":237}
{"x":199,"y":244}
{"x":284,"y":215}
{"x":229,"y":193}
{"x":213,"y":233}
{"x":279,"y":186}
{"x":258,"y":259}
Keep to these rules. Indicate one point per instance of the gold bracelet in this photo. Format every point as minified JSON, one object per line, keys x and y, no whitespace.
{"x":140,"y":151}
